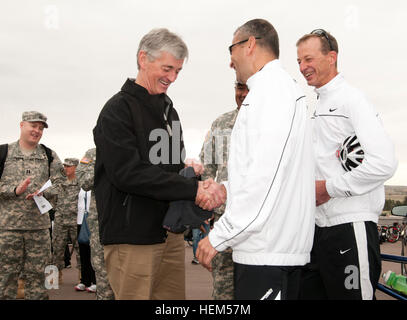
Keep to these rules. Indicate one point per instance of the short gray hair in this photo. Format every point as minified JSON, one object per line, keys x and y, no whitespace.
{"x":159,"y":40}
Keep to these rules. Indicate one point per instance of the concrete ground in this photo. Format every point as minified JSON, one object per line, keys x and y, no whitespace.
{"x":198,"y":279}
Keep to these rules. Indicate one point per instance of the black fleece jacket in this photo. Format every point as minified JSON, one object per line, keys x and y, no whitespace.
{"x":133,"y":190}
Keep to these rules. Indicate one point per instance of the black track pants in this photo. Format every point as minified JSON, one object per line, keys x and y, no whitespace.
{"x":266,"y":282}
{"x":345,"y":263}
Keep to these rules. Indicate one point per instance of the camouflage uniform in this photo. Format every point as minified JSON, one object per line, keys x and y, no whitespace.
{"x":65,"y":222}
{"x":25,"y":244}
{"x":214,"y":156}
{"x":85,"y":174}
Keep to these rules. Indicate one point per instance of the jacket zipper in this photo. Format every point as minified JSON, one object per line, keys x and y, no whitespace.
{"x":127,"y":210}
{"x":166,"y":120}
{"x":125,"y":200}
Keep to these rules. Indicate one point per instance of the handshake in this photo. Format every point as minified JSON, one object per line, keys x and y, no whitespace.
{"x":210,"y":194}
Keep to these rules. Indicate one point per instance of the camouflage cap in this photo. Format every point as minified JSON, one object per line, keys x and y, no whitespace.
{"x":34,"y":116}
{"x":69,"y":162}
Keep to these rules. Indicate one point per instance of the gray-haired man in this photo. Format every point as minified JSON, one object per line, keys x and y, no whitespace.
{"x":136,"y":176}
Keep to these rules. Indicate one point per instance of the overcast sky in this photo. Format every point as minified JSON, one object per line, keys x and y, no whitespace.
{"x":67,"y":58}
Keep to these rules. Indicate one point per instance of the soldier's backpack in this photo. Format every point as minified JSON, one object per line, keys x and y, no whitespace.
{"x":4,"y":151}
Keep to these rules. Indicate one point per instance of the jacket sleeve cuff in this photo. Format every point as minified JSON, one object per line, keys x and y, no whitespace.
{"x":329,"y":188}
{"x":8,"y":192}
{"x":216,"y":242}
{"x":194,"y":189}
{"x":335,"y":192}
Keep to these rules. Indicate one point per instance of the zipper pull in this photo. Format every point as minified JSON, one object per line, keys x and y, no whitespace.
{"x":125,"y":200}
{"x":168,"y":125}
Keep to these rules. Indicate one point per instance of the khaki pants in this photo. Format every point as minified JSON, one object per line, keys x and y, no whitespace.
{"x":147,"y":272}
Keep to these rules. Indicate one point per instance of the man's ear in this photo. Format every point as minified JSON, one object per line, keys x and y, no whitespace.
{"x":252,"y":44}
{"x":142,"y":58}
{"x":333,"y":57}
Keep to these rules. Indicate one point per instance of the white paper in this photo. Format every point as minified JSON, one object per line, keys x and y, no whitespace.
{"x":45,"y":186}
{"x":42,"y":204}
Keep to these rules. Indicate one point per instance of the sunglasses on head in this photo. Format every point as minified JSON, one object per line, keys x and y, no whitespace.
{"x":323,"y":33}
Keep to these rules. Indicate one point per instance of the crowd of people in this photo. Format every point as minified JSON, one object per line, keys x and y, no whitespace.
{"x":295,"y":200}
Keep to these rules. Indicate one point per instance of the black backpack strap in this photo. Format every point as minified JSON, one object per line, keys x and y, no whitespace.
{"x":48,"y":152}
{"x":3,"y":156}
{"x":4,"y":151}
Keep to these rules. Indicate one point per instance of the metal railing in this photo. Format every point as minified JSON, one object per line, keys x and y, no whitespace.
{"x":387,"y":290}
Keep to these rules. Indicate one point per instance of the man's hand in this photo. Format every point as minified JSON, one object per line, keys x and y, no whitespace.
{"x":31,"y":195}
{"x":210,"y":194}
{"x":22,"y":187}
{"x":321,"y":195}
{"x":205,"y":253}
{"x":196,"y":164}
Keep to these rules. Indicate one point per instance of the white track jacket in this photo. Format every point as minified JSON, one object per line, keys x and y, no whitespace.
{"x":269,"y":215}
{"x":357,"y":195}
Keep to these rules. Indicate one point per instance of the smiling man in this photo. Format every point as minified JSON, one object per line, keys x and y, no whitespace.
{"x":345,"y":259}
{"x":133,"y":190}
{"x":269,"y":217}
{"x":25,"y":245}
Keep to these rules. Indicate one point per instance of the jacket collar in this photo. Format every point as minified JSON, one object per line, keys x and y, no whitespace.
{"x":15,"y":151}
{"x":73,"y":182}
{"x":134,"y":89}
{"x":160,"y":101}
{"x":331,"y":85}
{"x":269,"y":65}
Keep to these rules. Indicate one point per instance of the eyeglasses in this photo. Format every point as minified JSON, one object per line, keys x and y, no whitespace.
{"x":322,"y":32}
{"x":240,"y":42}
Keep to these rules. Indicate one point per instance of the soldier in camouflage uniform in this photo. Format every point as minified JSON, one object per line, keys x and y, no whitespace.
{"x":25,"y":243}
{"x":214,"y":156}
{"x":85,"y":175}
{"x":66,"y":212}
